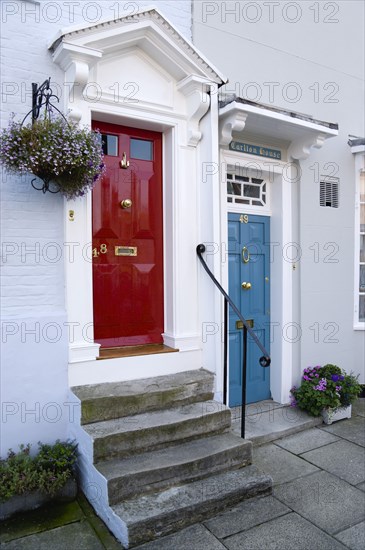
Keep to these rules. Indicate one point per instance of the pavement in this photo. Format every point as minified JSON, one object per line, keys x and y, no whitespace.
{"x":317,"y":502}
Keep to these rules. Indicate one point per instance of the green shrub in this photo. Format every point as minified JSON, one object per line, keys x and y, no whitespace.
{"x":47,"y":472}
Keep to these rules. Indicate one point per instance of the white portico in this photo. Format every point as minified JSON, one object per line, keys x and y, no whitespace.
{"x":140,"y":72}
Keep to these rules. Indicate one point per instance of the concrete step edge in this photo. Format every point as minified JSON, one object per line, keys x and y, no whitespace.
{"x":151,"y":516}
{"x":181,"y":463}
{"x":115,"y":399}
{"x":153,"y":419}
{"x":166,"y":429}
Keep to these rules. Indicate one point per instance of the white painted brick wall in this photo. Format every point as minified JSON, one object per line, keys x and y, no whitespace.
{"x":34,"y":368}
{"x":28,"y":216}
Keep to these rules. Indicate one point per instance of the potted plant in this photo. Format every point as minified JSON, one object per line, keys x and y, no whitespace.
{"x":328,"y":391}
{"x":27,"y":482}
{"x":67,"y":158}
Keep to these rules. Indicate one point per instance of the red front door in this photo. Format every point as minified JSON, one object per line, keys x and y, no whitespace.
{"x":127,"y":239}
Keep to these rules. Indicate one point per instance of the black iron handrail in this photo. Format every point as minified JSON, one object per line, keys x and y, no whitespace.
{"x":264,"y":360}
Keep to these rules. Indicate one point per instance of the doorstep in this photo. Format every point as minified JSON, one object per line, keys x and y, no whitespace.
{"x":134,"y":351}
{"x":267,"y":421}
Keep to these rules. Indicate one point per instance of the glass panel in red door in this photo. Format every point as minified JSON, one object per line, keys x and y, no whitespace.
{"x":127,"y":239}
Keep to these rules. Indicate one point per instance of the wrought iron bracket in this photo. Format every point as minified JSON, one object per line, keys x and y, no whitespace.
{"x":42,"y":97}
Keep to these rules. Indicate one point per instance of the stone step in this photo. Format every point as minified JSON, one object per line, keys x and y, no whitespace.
{"x":116,"y":399}
{"x":267,"y":421}
{"x":151,"y":516}
{"x":135,"y":434}
{"x":157,"y":470}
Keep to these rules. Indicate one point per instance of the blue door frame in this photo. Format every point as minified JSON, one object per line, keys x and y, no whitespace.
{"x":249,"y":262}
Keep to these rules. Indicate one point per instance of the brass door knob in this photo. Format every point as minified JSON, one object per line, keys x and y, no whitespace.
{"x":246,"y":286}
{"x":126,"y":203}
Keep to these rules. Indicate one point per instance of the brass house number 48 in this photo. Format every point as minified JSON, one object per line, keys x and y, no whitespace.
{"x":103,"y":249}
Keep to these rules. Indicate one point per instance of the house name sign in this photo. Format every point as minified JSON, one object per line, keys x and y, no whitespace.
{"x":255,"y":150}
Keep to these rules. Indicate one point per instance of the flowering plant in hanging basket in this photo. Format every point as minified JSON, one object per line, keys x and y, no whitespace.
{"x":325,"y":388}
{"x":67,"y":158}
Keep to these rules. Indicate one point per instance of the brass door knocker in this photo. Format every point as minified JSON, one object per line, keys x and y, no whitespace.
{"x":124,"y":163}
{"x":245,"y":255}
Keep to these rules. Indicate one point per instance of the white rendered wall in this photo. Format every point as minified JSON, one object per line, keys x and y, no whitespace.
{"x":34,"y":322}
{"x":306,"y":57}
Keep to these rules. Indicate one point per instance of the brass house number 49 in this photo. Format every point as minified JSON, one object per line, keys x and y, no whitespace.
{"x":103,"y":249}
{"x":244,"y":218}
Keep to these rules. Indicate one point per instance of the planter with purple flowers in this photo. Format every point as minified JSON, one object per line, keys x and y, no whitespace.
{"x":66,"y":158}
{"x":332,"y":415}
{"x":326,"y":390}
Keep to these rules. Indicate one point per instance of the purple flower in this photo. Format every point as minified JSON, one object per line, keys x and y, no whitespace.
{"x":322,"y":386}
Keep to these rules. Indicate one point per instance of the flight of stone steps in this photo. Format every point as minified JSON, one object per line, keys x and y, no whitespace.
{"x":162,"y":453}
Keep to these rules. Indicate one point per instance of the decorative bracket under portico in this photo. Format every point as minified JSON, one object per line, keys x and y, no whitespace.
{"x":195,"y":89}
{"x":76,"y":61}
{"x":232,"y":121}
{"x":299,"y":148}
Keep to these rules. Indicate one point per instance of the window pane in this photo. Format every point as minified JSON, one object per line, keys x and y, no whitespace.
{"x":362,"y":248}
{"x":361,"y":308}
{"x":362,"y":218}
{"x":251,"y":191}
{"x":110,"y":145}
{"x":362,"y":279}
{"x":362,"y":187}
{"x":141,"y":149}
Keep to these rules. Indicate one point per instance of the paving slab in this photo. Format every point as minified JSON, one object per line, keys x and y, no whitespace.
{"x":359,"y":407}
{"x":195,"y":537}
{"x":281,"y":465}
{"x":325,"y":500}
{"x":275,"y":423}
{"x":361,"y":486}
{"x":342,"y":458}
{"x":352,"y":429}
{"x":42,"y":519}
{"x":105,"y":536}
{"x":78,"y":536}
{"x":255,"y":409}
{"x":246,"y":515}
{"x":284,"y":533}
{"x":354,"y":537}
{"x":306,"y":441}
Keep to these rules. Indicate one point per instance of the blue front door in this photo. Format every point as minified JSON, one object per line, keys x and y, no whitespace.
{"x":249,"y":288}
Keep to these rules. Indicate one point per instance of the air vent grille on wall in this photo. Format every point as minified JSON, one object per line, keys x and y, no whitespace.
{"x":329,"y":192}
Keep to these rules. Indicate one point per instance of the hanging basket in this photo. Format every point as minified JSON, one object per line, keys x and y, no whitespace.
{"x":67,"y":159}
